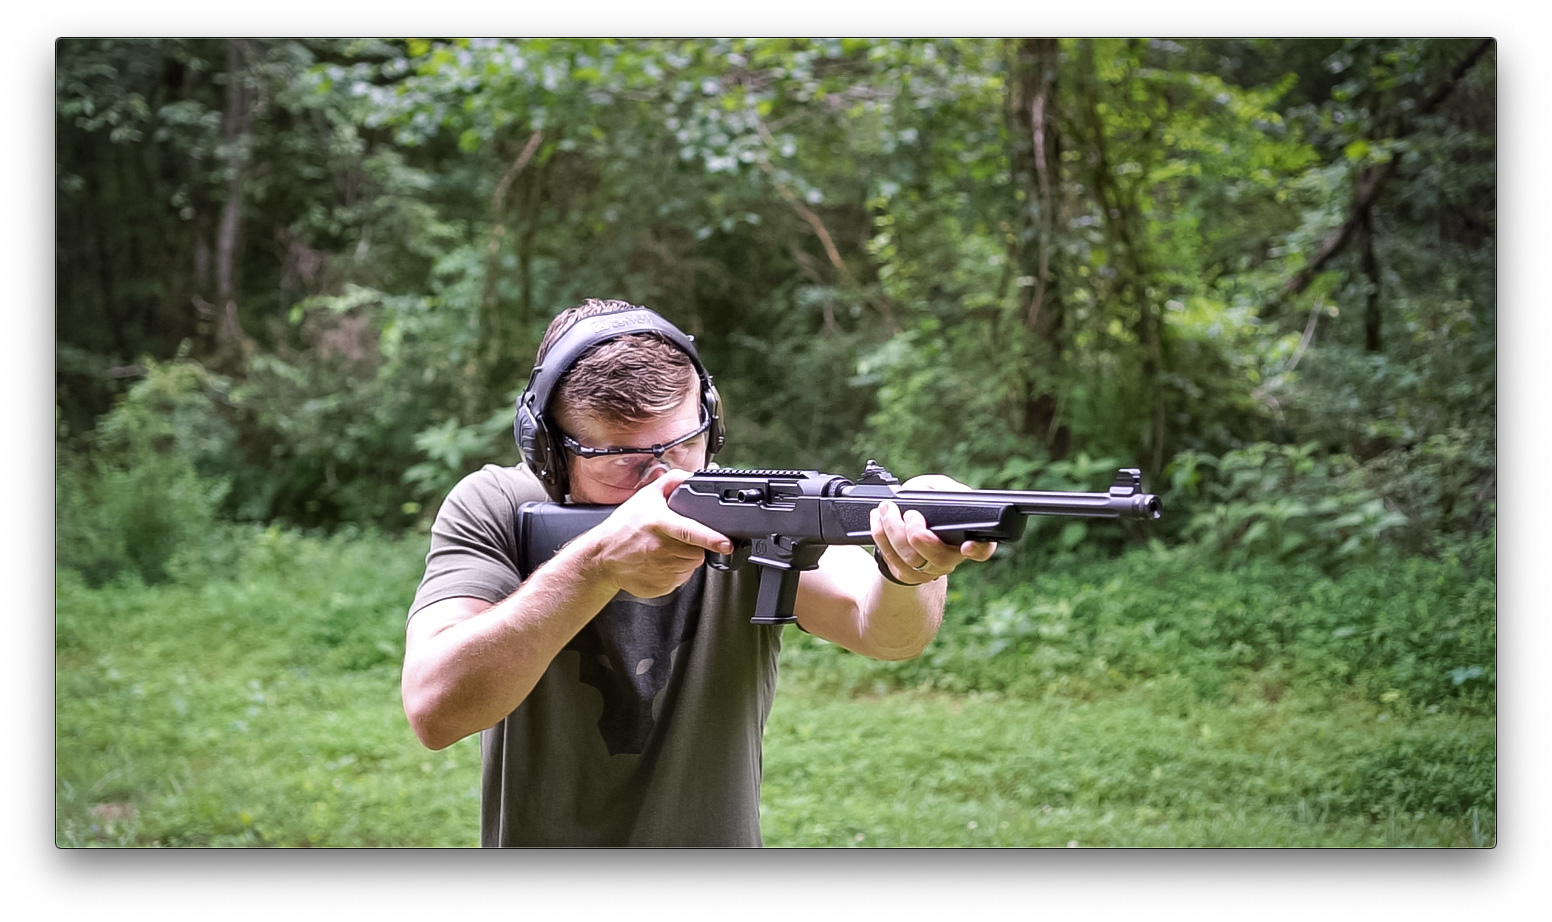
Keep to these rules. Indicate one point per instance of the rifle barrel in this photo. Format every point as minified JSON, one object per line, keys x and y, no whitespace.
{"x":1038,"y":502}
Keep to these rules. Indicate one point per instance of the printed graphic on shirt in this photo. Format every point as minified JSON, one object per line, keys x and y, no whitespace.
{"x":626,"y":652}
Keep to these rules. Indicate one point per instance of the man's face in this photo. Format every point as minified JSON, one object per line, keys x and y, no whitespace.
{"x":611,"y":479}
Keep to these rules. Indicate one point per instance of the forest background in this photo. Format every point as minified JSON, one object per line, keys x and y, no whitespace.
{"x":298,"y":284}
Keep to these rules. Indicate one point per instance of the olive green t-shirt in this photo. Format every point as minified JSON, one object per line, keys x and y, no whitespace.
{"x":646,"y":728}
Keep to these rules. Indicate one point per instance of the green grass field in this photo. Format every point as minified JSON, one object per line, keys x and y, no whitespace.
{"x":261,"y":709}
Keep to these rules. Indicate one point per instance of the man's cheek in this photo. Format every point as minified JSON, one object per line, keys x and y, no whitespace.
{"x":599,"y":494}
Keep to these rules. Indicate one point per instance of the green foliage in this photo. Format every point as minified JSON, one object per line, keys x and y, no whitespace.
{"x":1125,"y":707}
{"x":928,"y":390}
{"x":257,"y":707}
{"x":1422,"y":422}
{"x":452,"y":451}
{"x":1410,"y":634}
{"x":113,"y":520}
{"x":1284,"y":502}
{"x":324,"y":445}
{"x":855,"y":231}
{"x":138,"y":498}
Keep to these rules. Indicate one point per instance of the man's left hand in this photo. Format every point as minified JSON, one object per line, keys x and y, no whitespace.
{"x":914,"y":554}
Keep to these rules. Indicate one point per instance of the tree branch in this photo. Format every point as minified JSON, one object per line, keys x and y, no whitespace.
{"x":498,"y":227}
{"x":1369,"y":184}
{"x":813,"y":220}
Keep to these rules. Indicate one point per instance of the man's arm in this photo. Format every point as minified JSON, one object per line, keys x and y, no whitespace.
{"x":468,"y":664}
{"x":848,"y":602}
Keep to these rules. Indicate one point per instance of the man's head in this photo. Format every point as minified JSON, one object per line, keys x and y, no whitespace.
{"x":629,"y":403}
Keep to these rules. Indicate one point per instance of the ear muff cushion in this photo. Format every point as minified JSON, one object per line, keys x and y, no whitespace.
{"x":711,"y":405}
{"x":534,"y":441}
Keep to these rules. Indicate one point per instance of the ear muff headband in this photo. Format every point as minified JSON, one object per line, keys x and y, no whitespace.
{"x":534,"y":430}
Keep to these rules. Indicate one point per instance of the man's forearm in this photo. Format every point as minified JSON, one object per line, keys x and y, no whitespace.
{"x":468,"y":665}
{"x":846,"y":602}
{"x":466,"y":668}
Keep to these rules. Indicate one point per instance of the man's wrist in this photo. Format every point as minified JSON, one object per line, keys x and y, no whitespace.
{"x":883,"y":569}
{"x":590,"y":563}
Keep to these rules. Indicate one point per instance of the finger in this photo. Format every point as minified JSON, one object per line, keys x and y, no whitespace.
{"x":891,"y":532}
{"x":978,"y":550}
{"x":886,"y":548}
{"x":677,"y":527}
{"x":690,"y":532}
{"x":915,"y":553}
{"x":921,"y":540}
{"x":903,"y":572}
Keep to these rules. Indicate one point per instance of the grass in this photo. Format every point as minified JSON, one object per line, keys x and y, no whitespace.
{"x":258,"y":706}
{"x":1145,"y":767}
{"x":260,"y":711}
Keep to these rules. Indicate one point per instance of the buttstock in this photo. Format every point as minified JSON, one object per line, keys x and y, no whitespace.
{"x":544,"y":528}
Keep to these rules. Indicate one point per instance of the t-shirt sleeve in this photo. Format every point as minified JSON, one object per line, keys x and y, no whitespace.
{"x":473,"y":540}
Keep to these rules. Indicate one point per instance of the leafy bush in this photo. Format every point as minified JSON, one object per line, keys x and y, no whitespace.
{"x":1420,"y":418}
{"x":1447,"y":485}
{"x":1405,"y":633}
{"x":1285,"y":502}
{"x":137,"y":496}
{"x":453,"y":450}
{"x":114,"y":518}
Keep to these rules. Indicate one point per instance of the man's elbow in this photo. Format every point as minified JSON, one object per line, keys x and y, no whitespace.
{"x":900,"y":654}
{"x":902,"y":641}
{"x":428,"y":722}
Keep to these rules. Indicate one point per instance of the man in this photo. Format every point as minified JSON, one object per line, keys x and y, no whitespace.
{"x":620,"y":690}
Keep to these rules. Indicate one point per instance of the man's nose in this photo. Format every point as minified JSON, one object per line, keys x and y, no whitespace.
{"x":652,"y":470}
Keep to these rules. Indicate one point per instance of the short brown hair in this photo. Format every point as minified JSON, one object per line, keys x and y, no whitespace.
{"x":633,"y":378}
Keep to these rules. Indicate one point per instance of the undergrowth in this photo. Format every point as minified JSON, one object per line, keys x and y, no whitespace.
{"x":252,"y":698}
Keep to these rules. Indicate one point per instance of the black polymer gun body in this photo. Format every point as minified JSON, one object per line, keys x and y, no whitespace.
{"x":782,"y":521}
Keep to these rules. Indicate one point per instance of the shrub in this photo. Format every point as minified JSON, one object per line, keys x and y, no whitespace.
{"x":129,"y":503}
{"x":1406,"y":633}
{"x":1282,"y":502}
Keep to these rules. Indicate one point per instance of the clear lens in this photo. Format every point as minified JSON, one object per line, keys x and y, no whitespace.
{"x":627,"y":471}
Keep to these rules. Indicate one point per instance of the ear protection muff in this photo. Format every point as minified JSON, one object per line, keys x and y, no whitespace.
{"x":533,"y":428}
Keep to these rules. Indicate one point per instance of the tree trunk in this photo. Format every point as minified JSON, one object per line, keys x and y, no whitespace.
{"x":1371,"y":272}
{"x":1121,"y":217}
{"x":1031,"y":113}
{"x":227,"y":345}
{"x":493,"y":360}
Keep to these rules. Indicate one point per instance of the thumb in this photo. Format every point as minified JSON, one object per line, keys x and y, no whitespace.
{"x":670,"y":480}
{"x":686,"y":530}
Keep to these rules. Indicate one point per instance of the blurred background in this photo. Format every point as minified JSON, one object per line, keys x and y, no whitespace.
{"x":299,"y":283}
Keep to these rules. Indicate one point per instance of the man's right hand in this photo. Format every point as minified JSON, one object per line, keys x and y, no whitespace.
{"x":646,"y":548}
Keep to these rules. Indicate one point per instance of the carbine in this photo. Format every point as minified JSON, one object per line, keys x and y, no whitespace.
{"x":782,"y":521}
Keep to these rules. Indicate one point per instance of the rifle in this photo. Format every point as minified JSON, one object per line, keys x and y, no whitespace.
{"x":782,"y":521}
